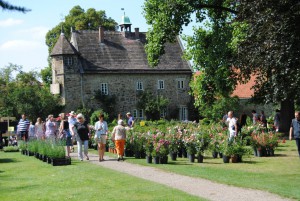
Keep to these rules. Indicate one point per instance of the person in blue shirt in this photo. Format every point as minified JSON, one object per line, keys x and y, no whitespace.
{"x":130,"y":122}
{"x":295,"y":129}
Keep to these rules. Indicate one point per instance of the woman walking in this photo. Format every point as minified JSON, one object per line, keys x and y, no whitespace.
{"x":83,"y":131}
{"x":101,"y":135}
{"x":119,"y":136}
{"x":64,"y":130}
{"x":50,"y":128}
{"x":39,"y":129}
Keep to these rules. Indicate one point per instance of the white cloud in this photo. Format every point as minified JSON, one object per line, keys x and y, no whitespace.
{"x":17,"y":45}
{"x":30,"y":54}
{"x":38,"y":33}
{"x":10,"y":22}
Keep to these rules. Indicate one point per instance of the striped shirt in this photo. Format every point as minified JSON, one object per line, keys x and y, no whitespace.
{"x":23,"y":125}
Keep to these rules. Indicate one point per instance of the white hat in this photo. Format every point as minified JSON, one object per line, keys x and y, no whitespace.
{"x":120,"y":122}
{"x":72,"y":113}
{"x":80,"y":116}
{"x":128,"y":113}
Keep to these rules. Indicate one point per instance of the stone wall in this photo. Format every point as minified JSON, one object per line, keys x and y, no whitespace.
{"x":124,"y":87}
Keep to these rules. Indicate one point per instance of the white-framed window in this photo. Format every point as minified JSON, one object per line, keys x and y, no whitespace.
{"x":134,"y":113}
{"x":180,"y":83}
{"x":183,"y":113}
{"x":161,"y":84}
{"x":163,"y":113}
{"x":139,"y":85}
{"x":138,"y":113}
{"x":104,"y":88}
{"x":68,"y":61}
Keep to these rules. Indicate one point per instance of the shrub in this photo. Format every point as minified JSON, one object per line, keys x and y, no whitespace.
{"x":22,"y":145}
{"x":11,"y":149}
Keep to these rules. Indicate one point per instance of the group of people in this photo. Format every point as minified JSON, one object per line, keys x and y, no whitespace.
{"x":234,"y":126}
{"x":74,"y":127}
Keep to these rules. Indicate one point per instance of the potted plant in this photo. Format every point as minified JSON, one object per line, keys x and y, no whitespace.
{"x":31,"y":147}
{"x":22,"y":146}
{"x":202,"y":144}
{"x":148,"y":146}
{"x":173,"y":138}
{"x":57,"y":154}
{"x":238,"y":149}
{"x":190,"y":144}
{"x":161,"y":150}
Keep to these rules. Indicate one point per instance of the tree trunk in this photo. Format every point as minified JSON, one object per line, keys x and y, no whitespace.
{"x":286,"y":115}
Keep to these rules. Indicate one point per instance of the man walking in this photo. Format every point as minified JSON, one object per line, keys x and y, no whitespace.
{"x":295,"y":129}
{"x":23,"y":127}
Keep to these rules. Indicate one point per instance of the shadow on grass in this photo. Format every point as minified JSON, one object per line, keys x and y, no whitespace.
{"x":8,"y":160}
{"x":12,"y":190}
{"x":251,"y":162}
{"x":279,"y":155}
{"x":176,"y":163}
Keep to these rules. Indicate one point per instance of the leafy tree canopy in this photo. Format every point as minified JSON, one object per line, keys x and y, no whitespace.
{"x":7,"y":6}
{"x":258,"y":37}
{"x":25,"y":94}
{"x":270,"y":48}
{"x":79,"y":19}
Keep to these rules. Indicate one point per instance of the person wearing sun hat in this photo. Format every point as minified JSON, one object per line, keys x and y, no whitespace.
{"x":119,"y":136}
{"x":83,"y":131}
{"x":72,"y":120}
{"x":130,"y":122}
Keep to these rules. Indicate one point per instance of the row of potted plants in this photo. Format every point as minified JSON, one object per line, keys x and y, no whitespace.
{"x":196,"y":139}
{"x":51,"y":151}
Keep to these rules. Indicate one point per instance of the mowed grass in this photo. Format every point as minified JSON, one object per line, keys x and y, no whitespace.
{"x":279,"y":174}
{"x":27,"y":178}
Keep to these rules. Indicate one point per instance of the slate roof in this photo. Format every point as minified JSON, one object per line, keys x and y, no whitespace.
{"x":118,"y":53}
{"x":63,"y":46}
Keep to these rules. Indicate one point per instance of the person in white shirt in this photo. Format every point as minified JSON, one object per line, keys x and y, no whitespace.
{"x":72,"y":120}
{"x":101,"y":136}
{"x":232,"y":125}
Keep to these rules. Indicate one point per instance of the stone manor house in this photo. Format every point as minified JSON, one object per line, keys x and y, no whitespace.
{"x":115,"y":63}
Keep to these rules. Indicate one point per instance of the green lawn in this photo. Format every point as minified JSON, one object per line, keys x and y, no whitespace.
{"x":279,"y":174}
{"x":27,"y":178}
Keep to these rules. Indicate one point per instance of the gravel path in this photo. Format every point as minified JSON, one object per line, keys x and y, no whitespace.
{"x":194,"y":186}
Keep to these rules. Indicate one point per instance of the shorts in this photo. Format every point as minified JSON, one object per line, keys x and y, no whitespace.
{"x":102,"y":139}
{"x":24,"y":134}
{"x":69,"y":141}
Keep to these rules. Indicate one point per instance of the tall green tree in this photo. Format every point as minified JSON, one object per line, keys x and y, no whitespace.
{"x":208,"y":48}
{"x":264,"y":42}
{"x":270,"y":48}
{"x":79,"y":19}
{"x":25,"y":94}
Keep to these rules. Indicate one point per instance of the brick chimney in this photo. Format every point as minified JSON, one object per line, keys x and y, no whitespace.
{"x":101,"y":34}
{"x":137,"y":33}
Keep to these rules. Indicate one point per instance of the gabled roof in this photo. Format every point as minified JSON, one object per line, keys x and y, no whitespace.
{"x":121,"y":51}
{"x":63,"y":46}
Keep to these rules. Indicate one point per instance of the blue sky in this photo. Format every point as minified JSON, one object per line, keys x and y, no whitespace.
{"x":22,"y":36}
